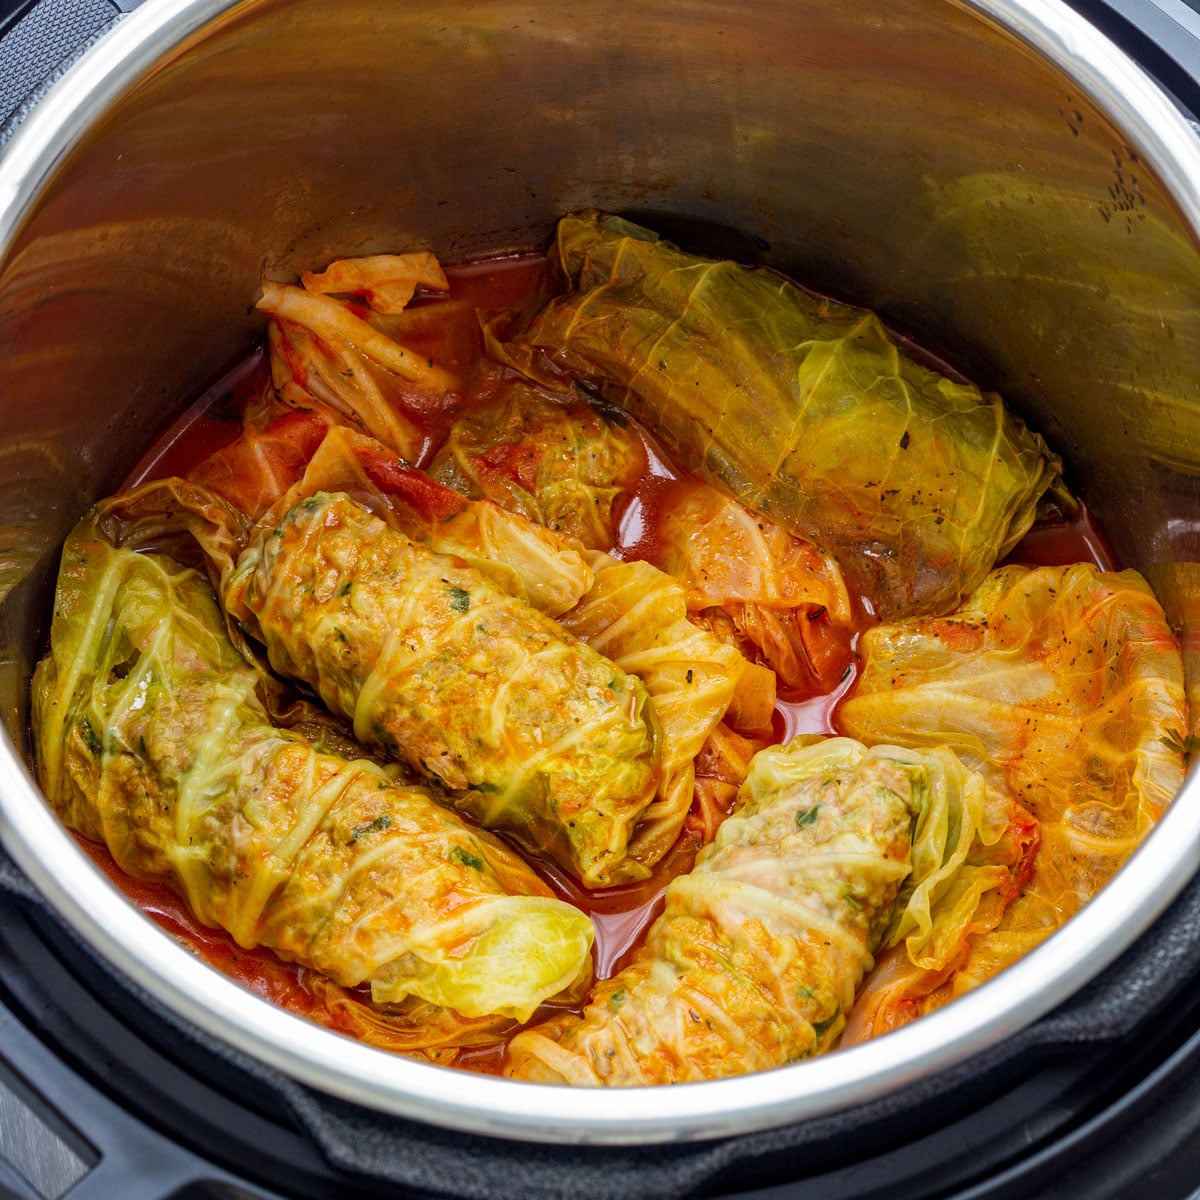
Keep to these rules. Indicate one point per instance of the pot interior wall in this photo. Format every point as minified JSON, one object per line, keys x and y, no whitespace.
{"x":909,"y":156}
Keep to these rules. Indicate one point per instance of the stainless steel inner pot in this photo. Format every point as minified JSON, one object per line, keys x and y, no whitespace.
{"x":994,"y":176}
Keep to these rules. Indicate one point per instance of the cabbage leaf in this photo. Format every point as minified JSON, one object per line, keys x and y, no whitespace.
{"x":386,"y":281}
{"x":1063,"y":687}
{"x":801,"y":408}
{"x":754,"y":584}
{"x":721,"y":768}
{"x":152,"y":737}
{"x":756,"y":958}
{"x":270,"y":454}
{"x":324,"y":355}
{"x":635,"y":616}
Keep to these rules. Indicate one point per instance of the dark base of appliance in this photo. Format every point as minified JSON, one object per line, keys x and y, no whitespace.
{"x":102,"y":1099}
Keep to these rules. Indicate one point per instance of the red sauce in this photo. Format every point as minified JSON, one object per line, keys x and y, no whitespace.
{"x":814,"y":714}
{"x":484,"y":1060}
{"x":447,"y":330}
{"x":622,"y":914}
{"x":208,"y":425}
{"x":1060,"y":543}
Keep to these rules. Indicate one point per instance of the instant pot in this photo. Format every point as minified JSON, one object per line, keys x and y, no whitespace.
{"x":994,"y":175}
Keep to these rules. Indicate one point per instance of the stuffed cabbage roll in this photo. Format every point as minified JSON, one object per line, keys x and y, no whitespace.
{"x":535,"y":732}
{"x":756,"y":958}
{"x":152,"y":737}
{"x":551,"y":457}
{"x":801,"y":408}
{"x":1064,"y":687}
{"x":262,"y":475}
{"x":631,"y":613}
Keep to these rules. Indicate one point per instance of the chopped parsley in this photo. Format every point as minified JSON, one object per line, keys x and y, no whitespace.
{"x":807,"y":816}
{"x":374,"y":826}
{"x":466,"y":858}
{"x":821,"y":1028}
{"x":90,"y":740}
{"x":460,"y":599}
{"x":385,"y":739}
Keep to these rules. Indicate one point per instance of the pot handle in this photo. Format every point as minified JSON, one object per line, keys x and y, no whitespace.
{"x":1163,"y":36}
{"x":101,"y":1152}
{"x":39,"y":39}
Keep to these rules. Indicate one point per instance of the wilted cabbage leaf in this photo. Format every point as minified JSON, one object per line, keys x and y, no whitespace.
{"x":801,"y":408}
{"x":721,"y":769}
{"x":534,"y":731}
{"x":725,"y":554}
{"x":269,"y":455}
{"x":386,"y":281}
{"x":757,"y":955}
{"x":1064,"y":687}
{"x":635,"y":616}
{"x":151,"y":736}
{"x":960,"y":877}
{"x":324,"y":354}
{"x":754,"y":584}
{"x":549,"y":456}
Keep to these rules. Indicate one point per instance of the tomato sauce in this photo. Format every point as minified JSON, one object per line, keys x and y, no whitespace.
{"x":447,"y":331}
{"x":1060,"y":543}
{"x":259,"y":970}
{"x":213,"y":422}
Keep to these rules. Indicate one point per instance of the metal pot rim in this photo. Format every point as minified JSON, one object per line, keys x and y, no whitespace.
{"x":96,"y":910}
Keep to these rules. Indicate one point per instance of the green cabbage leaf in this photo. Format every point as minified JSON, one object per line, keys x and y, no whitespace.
{"x":760,"y":949}
{"x":801,"y":408}
{"x":152,"y":736}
